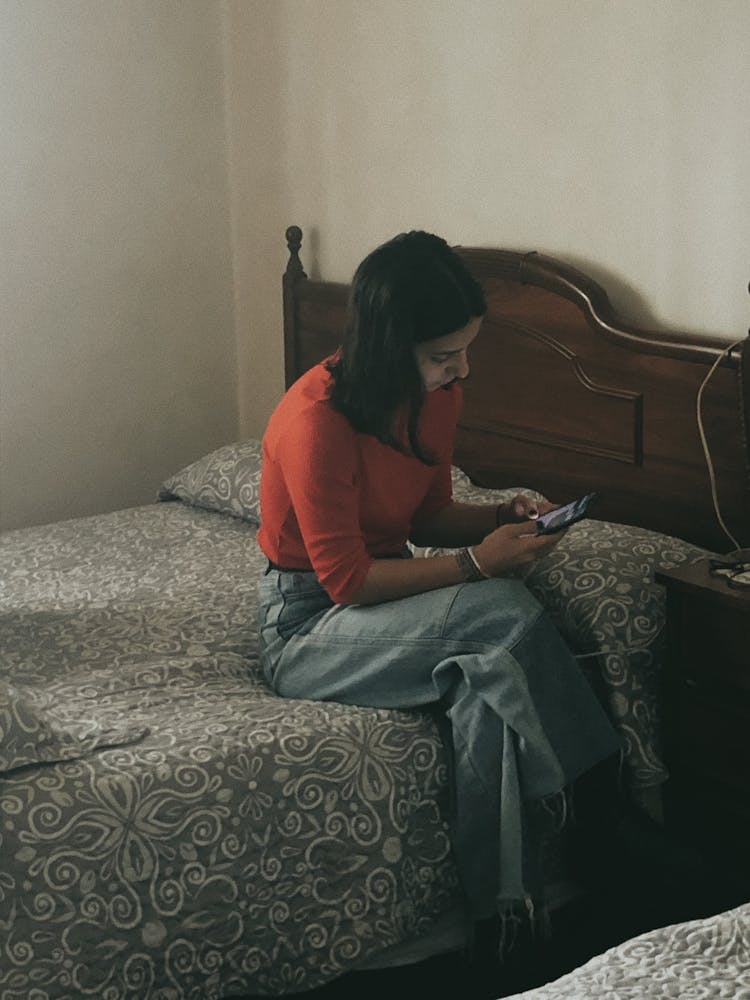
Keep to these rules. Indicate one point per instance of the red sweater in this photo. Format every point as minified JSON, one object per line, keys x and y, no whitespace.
{"x":333,"y":499}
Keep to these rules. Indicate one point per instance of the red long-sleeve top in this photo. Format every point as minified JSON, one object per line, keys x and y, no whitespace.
{"x":333,"y":499}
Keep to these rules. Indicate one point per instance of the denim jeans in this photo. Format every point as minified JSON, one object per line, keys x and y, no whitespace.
{"x":524,"y":722}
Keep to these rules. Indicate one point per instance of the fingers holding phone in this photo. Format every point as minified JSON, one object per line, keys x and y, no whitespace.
{"x":523,"y":508}
{"x":562,"y":517}
{"x":520,"y":508}
{"x":512,"y":546}
{"x":520,"y":542}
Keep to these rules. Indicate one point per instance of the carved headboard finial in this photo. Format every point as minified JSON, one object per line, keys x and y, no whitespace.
{"x":294,"y":267}
{"x":294,"y":239}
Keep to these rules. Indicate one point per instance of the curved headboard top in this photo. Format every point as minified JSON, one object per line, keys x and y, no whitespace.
{"x":566,"y":397}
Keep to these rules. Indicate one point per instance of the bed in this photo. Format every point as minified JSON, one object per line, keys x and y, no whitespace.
{"x":170,"y":829}
{"x":707,"y":957}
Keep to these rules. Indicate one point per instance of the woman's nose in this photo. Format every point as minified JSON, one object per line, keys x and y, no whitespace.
{"x":462,"y":367}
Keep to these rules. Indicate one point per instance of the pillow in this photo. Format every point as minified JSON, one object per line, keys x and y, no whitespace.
{"x":38,"y":727}
{"x":598,"y":587}
{"x":226,"y":480}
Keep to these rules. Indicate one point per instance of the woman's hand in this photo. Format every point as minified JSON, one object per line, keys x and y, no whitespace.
{"x":512,"y":546}
{"x":522,"y":508}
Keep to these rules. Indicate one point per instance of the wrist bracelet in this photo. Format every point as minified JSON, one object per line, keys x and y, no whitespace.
{"x":470,"y":568}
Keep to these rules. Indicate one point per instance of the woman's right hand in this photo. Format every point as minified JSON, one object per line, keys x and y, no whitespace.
{"x":512,"y":546}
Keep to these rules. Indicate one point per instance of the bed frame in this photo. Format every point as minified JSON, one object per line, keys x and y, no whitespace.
{"x":566,"y":397}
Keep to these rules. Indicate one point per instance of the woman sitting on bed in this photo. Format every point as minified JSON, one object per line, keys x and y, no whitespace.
{"x":356,"y":462}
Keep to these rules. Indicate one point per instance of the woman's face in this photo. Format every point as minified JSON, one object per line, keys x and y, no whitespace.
{"x":443,"y":360}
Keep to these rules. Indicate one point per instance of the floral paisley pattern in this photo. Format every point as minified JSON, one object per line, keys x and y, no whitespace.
{"x":706,"y":959}
{"x":227,"y":481}
{"x":191,"y":835}
{"x":35,"y":728}
{"x":169,"y":828}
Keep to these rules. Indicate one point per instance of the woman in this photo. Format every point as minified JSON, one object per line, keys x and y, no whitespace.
{"x":356,"y":462}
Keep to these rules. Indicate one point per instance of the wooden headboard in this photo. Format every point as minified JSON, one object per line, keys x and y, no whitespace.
{"x":565,"y":397}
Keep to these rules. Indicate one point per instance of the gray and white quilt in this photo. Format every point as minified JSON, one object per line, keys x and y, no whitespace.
{"x":707,"y":959}
{"x":169,"y":828}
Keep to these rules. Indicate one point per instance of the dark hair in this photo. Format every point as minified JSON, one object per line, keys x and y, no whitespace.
{"x":411,"y":289}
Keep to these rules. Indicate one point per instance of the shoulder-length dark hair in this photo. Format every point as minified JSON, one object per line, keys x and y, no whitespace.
{"x":412,"y":289}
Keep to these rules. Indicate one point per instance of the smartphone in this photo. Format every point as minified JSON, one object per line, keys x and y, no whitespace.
{"x":561,"y":517}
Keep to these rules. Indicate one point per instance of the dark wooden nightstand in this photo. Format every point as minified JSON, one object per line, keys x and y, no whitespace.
{"x":706,"y":709}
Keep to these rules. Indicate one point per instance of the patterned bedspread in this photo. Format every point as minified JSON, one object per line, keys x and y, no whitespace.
{"x":707,"y":959}
{"x":169,"y":828}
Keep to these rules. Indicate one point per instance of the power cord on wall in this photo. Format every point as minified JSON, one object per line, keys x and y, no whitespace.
{"x":704,"y":442}
{"x":629,"y":650}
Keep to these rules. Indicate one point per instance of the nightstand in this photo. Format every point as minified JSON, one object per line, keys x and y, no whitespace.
{"x":706,"y":708}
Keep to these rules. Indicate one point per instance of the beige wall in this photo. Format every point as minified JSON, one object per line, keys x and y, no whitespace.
{"x":612,"y":133}
{"x":118,"y":354}
{"x":140,"y":308}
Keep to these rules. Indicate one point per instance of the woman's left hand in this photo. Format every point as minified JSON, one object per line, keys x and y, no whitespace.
{"x":523,"y":508}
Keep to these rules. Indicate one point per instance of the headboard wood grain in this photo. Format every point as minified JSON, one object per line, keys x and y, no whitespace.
{"x":566,"y":397}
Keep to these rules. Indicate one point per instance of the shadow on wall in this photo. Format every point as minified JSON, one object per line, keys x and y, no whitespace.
{"x":626,"y":301}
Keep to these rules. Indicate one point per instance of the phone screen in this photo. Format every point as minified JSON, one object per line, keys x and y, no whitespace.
{"x":561,"y":517}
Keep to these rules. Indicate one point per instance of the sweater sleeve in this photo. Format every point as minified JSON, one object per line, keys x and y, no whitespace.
{"x":320,"y":469}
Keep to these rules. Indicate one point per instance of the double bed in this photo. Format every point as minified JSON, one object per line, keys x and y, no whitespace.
{"x":169,"y":828}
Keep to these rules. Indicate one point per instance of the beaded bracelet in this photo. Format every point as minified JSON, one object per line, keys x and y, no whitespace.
{"x":470,"y":568}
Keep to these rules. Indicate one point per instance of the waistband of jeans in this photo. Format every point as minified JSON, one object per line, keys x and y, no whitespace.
{"x":288,"y":569}
{"x":404,"y":554}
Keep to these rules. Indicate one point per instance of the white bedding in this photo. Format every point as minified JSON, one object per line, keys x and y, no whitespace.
{"x":707,"y":959}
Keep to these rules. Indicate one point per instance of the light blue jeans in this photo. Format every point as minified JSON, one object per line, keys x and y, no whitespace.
{"x":524,"y":722}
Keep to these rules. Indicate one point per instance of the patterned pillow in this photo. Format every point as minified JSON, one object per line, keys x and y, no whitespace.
{"x":227,"y":480}
{"x":598,"y":586}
